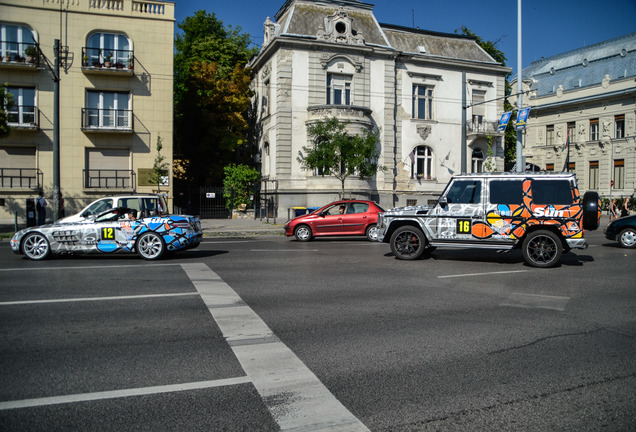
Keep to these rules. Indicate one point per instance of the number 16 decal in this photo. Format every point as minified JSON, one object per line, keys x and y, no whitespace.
{"x":463,"y":226}
{"x":108,"y":233}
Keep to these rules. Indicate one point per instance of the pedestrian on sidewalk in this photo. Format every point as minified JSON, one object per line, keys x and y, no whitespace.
{"x":40,"y":206}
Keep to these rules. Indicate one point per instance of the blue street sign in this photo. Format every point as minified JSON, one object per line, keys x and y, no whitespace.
{"x":522,"y":119}
{"x":503,"y":122}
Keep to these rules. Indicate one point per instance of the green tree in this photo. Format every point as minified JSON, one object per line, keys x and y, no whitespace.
{"x":339,"y":154}
{"x":212,"y":96}
{"x":160,"y":166}
{"x":6,"y":101}
{"x":239,"y":184}
{"x":510,"y":137}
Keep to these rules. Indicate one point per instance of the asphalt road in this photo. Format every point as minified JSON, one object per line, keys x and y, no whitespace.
{"x":268,"y":333}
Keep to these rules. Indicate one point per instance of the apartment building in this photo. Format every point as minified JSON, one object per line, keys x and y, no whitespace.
{"x":334,"y":58}
{"x":586,"y":97}
{"x":115,"y":99}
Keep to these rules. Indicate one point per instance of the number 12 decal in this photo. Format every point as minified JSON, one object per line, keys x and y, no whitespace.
{"x":463,"y":226}
{"x":108,"y":233}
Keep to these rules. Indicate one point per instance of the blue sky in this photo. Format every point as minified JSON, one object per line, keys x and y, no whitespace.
{"x":549,"y":27}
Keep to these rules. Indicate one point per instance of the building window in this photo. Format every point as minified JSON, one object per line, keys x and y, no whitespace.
{"x":479,"y":110}
{"x":594,"y":175}
{"x":571,"y":133}
{"x":108,"y":110}
{"x":22,"y":109}
{"x":571,"y":166}
{"x":619,"y":126}
{"x":108,"y":169}
{"x":478,"y":161}
{"x":338,"y":89}
{"x":267,"y":97}
{"x":422,"y":102}
{"x":14,"y":40}
{"x":18,"y":168}
{"x":107,"y":47}
{"x":594,"y":130}
{"x":422,"y":163}
{"x":619,"y":173}
{"x":549,"y":135}
{"x":549,"y":167}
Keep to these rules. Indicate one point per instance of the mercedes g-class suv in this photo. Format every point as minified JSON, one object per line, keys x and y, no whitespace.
{"x":541,"y":213}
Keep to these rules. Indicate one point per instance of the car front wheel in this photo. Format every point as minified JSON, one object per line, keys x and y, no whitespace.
{"x":542,"y":249}
{"x":408,"y":243}
{"x":36,"y":247}
{"x":303,"y":233}
{"x":627,"y":238}
{"x":150,"y":246}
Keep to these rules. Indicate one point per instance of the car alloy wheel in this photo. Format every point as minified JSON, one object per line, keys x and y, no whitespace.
{"x":36,"y":247}
{"x":150,"y":246}
{"x":627,"y":238}
{"x":542,"y":249}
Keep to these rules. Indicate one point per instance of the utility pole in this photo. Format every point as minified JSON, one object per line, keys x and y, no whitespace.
{"x":520,"y":164}
{"x":56,"y":131}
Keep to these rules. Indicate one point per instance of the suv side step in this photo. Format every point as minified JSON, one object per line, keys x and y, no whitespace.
{"x":456,"y":244}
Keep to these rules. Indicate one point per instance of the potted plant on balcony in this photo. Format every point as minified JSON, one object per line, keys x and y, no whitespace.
{"x":7,"y":57}
{"x":31,"y":53}
{"x":107,"y":60}
{"x":130,"y":61}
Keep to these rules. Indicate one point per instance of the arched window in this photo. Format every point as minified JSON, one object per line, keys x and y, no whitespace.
{"x":478,"y":161}
{"x":422,"y":163}
{"x":14,"y":39}
{"x":108,"y":47}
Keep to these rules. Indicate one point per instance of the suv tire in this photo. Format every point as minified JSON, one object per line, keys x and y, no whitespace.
{"x":542,"y":249}
{"x":408,"y":243}
{"x":590,"y":211}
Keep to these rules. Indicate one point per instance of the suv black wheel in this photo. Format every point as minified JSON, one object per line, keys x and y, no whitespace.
{"x":591,"y":212}
{"x":408,"y":243}
{"x":542,"y":249}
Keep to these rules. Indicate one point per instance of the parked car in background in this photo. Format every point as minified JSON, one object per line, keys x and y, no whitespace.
{"x":340,"y":218}
{"x":116,"y":230}
{"x":145,"y":204}
{"x":623,"y":230}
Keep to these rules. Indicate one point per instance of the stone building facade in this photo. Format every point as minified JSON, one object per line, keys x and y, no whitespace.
{"x":333,"y":58}
{"x":116,"y":78}
{"x":588,"y":96}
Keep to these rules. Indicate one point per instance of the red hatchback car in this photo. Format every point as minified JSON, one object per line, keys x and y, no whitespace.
{"x":345,"y":217}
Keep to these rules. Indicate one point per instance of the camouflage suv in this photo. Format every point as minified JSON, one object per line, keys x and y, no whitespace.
{"x":540,"y":213}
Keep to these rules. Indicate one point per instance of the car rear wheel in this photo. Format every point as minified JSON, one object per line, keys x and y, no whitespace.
{"x":627,"y":238}
{"x":408,"y":243}
{"x":150,"y":246}
{"x":542,"y":249}
{"x":303,"y":233}
{"x":372,"y":232}
{"x":36,"y":247}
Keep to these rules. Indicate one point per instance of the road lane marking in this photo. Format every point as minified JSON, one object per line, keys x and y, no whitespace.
{"x":536,"y":301}
{"x":480,"y":274}
{"x":114,"y":394}
{"x":293,"y":394}
{"x":87,"y":299}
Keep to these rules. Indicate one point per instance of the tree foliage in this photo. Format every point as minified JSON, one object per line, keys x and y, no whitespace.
{"x":339,"y":154}
{"x":212,"y":96}
{"x":160,"y":166}
{"x":6,"y":101}
{"x":510,"y":137}
{"x":239,"y":183}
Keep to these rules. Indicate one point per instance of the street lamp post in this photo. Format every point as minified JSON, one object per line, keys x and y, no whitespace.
{"x":520,"y":164}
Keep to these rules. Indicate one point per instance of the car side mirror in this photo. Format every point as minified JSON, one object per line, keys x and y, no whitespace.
{"x":321,"y":214}
{"x":443,"y":201}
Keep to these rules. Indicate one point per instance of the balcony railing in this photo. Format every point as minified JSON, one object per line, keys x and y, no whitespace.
{"x":23,"y":117}
{"x":19,"y":54}
{"x":108,"y":59}
{"x":485,"y":127}
{"x":109,"y":179}
{"x":20,"y":178}
{"x":107,"y":120}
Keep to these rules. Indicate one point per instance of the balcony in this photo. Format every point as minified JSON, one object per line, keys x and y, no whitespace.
{"x":19,"y":55}
{"x":109,"y":62}
{"x":23,"y":118}
{"x":109,"y":179}
{"x":483,"y":128}
{"x":353,"y":114}
{"x":97,"y":120}
{"x":20,"y":178}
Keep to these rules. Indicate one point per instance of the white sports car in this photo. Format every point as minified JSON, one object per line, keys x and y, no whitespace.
{"x":115,"y":230}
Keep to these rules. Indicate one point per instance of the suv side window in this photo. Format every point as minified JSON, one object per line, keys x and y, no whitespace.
{"x":131,"y":203}
{"x":555,"y":192}
{"x":506,"y":191}
{"x":464,"y":192}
